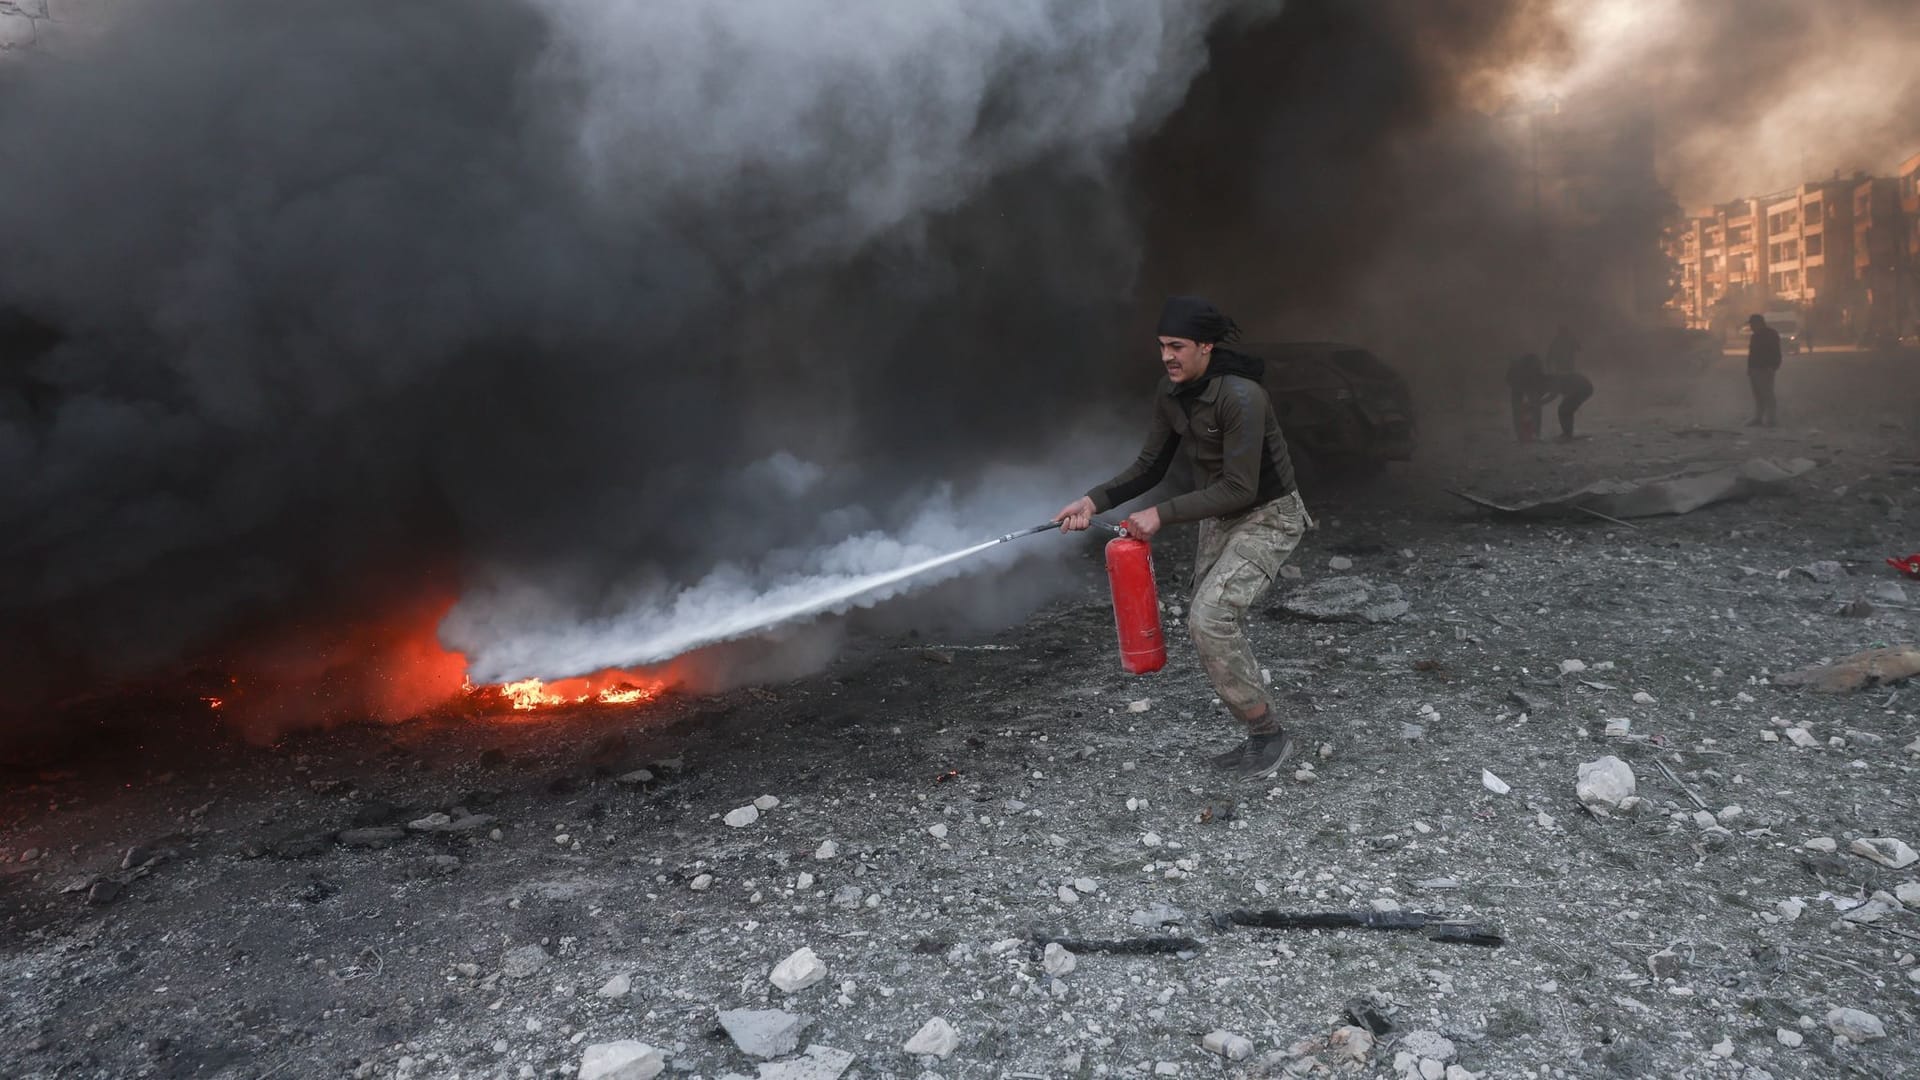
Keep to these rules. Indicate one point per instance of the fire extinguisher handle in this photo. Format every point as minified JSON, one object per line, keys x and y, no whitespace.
{"x":1116,"y":528}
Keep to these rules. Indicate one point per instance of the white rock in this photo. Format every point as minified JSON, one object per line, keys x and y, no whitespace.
{"x":1228,"y":1045}
{"x":1855,"y":1025}
{"x":937,"y":830}
{"x":1067,"y":895}
{"x":1166,"y":1068}
{"x":763,"y":1033}
{"x":1826,"y":844}
{"x":628,"y":1059}
{"x":701,"y":883}
{"x":1800,"y":736}
{"x":1353,"y":1043}
{"x":1432,"y":1070}
{"x":1384,"y":904}
{"x":935,"y":1037}
{"x":1908,"y":893}
{"x":799,"y":971}
{"x":803,"y":881}
{"x":827,"y":850}
{"x":1619,"y":727}
{"x":1790,"y":909}
{"x":1151,"y":839}
{"x":1140,"y":706}
{"x":1493,"y":783}
{"x":616,"y":987}
{"x":1086,"y":885}
{"x":819,"y":1063}
{"x":1603,"y":784}
{"x":1641,"y":697}
{"x":1456,"y":1072}
{"x":1788,"y":1037}
{"x":1057,"y":961}
{"x":1428,"y":1044}
{"x":1723,"y":1048}
{"x":1730,"y":814}
{"x":742,"y":817}
{"x":1885,"y":850}
{"x":1339,"y":563}
{"x":765,"y":802}
{"x":1704,"y":819}
{"x":1572,"y":667}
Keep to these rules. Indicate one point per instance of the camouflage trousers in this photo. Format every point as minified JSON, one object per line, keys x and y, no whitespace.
{"x":1239,"y":556}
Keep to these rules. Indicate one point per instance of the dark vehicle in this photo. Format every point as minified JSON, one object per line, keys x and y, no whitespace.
{"x":1341,"y":406}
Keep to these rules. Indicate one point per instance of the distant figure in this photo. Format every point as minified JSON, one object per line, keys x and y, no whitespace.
{"x":1763,"y":362}
{"x":1532,"y":387}
{"x":1561,"y":351}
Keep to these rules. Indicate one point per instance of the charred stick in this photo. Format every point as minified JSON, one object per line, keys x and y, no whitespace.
{"x":1141,"y":946}
{"x":1433,"y":928}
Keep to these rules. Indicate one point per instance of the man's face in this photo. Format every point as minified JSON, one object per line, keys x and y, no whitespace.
{"x":1184,"y":360}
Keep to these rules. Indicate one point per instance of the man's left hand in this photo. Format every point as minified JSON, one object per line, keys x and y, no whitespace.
{"x":1142,"y":524}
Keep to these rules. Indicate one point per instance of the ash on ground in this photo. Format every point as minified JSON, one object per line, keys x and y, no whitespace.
{"x":858,"y":873}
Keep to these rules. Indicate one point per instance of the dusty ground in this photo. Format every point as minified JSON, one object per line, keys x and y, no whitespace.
{"x":256,"y":945}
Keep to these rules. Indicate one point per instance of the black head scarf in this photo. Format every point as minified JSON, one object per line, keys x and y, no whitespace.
{"x":1195,"y":319}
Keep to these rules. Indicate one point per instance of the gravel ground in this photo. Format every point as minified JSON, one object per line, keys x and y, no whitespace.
{"x":979,"y":795}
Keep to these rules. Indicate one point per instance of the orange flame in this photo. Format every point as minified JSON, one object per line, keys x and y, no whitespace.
{"x":606,"y":688}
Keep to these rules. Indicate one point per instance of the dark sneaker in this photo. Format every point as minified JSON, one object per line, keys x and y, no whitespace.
{"x":1265,"y":754}
{"x":1232,"y":759}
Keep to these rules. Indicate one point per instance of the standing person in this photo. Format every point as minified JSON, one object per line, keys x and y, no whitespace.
{"x":1531,"y":388}
{"x":1212,"y":403}
{"x":1763,"y":363}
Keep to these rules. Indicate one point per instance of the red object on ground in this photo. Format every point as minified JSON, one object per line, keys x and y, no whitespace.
{"x":1136,"y":605}
{"x":1909,"y":566}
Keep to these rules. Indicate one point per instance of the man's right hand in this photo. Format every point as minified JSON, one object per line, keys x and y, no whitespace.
{"x":1076,"y":515}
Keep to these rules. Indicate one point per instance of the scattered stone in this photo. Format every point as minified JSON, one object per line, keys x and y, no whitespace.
{"x":1790,"y":909}
{"x":1801,"y":737}
{"x":628,"y":1059}
{"x":1427,"y":1044}
{"x":1067,"y":895}
{"x":1704,"y":819}
{"x":1347,"y":599}
{"x":1861,"y":671}
{"x":1572,"y":667}
{"x":1339,"y":564}
{"x":1151,"y":839}
{"x":701,"y":883}
{"x":1432,"y":1070}
{"x":1494,"y":784}
{"x":636,"y":778}
{"x":1908,"y":893}
{"x":1290,"y":573}
{"x":104,"y":892}
{"x":1351,"y":1041}
{"x":938,"y":831}
{"x":1641,"y":697}
{"x":1166,"y":1068}
{"x":935,"y":1037}
{"x":1872,"y":911}
{"x":799,"y":971}
{"x":617,"y":987}
{"x":1456,"y":1072}
{"x":741,"y":817}
{"x":524,"y":961}
{"x":1384,"y":904}
{"x":442,"y":865}
{"x":802,"y":881}
{"x":1825,"y":844}
{"x":765,"y":803}
{"x":1824,"y":572}
{"x":1228,"y":1045}
{"x":1604,"y":784}
{"x":819,"y":1063}
{"x":1666,"y":964}
{"x":379,"y":836}
{"x":1619,"y":727}
{"x":1789,"y":1038}
{"x":1412,"y":732}
{"x":1140,"y":706}
{"x":1854,"y":1025}
{"x":431,"y":823}
{"x":1057,"y":961}
{"x":1730,"y":814}
{"x":763,"y":1033}
{"x":1086,"y":885}
{"x":827,"y":850}
{"x":1885,"y":850}
{"x":1156,"y":916}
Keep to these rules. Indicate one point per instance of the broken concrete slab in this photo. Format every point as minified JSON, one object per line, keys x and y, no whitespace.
{"x":1347,"y":599}
{"x":1676,"y":493}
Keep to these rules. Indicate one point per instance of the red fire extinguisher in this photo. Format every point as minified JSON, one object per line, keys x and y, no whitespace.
{"x":1136,"y":605}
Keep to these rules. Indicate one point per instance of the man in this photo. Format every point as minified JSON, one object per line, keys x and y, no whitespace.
{"x":1763,"y":362}
{"x":1212,"y":404}
{"x":1532,"y":387}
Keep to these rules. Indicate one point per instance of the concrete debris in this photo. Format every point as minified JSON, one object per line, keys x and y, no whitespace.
{"x":1139,"y":706}
{"x":615,"y":988}
{"x":1427,"y":1044}
{"x":1604,"y":784}
{"x":765,"y":803}
{"x":937,"y":830}
{"x":1666,"y":964}
{"x":1887,"y":592}
{"x":763,"y":1033}
{"x":1351,"y":1042}
{"x":1908,"y":893}
{"x":1494,"y":784}
{"x":1878,"y":907}
{"x":1825,"y":571}
{"x":1676,"y":493}
{"x":1790,"y":909}
{"x":1057,"y":961}
{"x":1619,"y":727}
{"x":1723,"y":1049}
{"x":1788,"y":1037}
{"x":936,"y":1037}
{"x":636,"y":778}
{"x":524,"y":961}
{"x":1347,"y":599}
{"x":1801,"y":737}
{"x":430,"y":823}
{"x":1339,"y":564}
{"x":1156,"y":916}
{"x":827,"y":850}
{"x":1067,"y":895}
{"x":1572,"y":667}
{"x":1228,"y":1045}
{"x":1861,"y":671}
{"x":1885,"y":850}
{"x":798,"y":971}
{"x":1825,"y":844}
{"x":818,"y":1063}
{"x":701,"y":883}
{"x":741,"y":817}
{"x":1854,"y":1025}
{"x":1086,"y":885}
{"x":1641,"y":697}
{"x":628,"y":1059}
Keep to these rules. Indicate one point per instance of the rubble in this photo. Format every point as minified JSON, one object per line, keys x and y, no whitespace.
{"x":627,"y":1059}
{"x":1674,"y":493}
{"x":1854,"y":1025}
{"x":1861,"y":671}
{"x":524,"y":961}
{"x":1058,"y":961}
{"x":1604,"y":784}
{"x":1885,"y":850}
{"x":936,"y":1038}
{"x":1228,"y":1045}
{"x":818,"y":1063}
{"x":615,"y":988}
{"x":763,"y":1033}
{"x":1354,"y":599}
{"x":741,"y":817}
{"x":798,"y":971}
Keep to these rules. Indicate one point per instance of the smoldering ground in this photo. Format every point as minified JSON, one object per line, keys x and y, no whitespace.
{"x":359,"y":310}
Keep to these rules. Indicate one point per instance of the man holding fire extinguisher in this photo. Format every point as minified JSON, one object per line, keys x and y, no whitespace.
{"x":1251,"y":517}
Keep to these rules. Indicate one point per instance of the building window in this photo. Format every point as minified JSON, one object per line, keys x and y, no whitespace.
{"x":1813,"y":215}
{"x":1815,"y":245}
